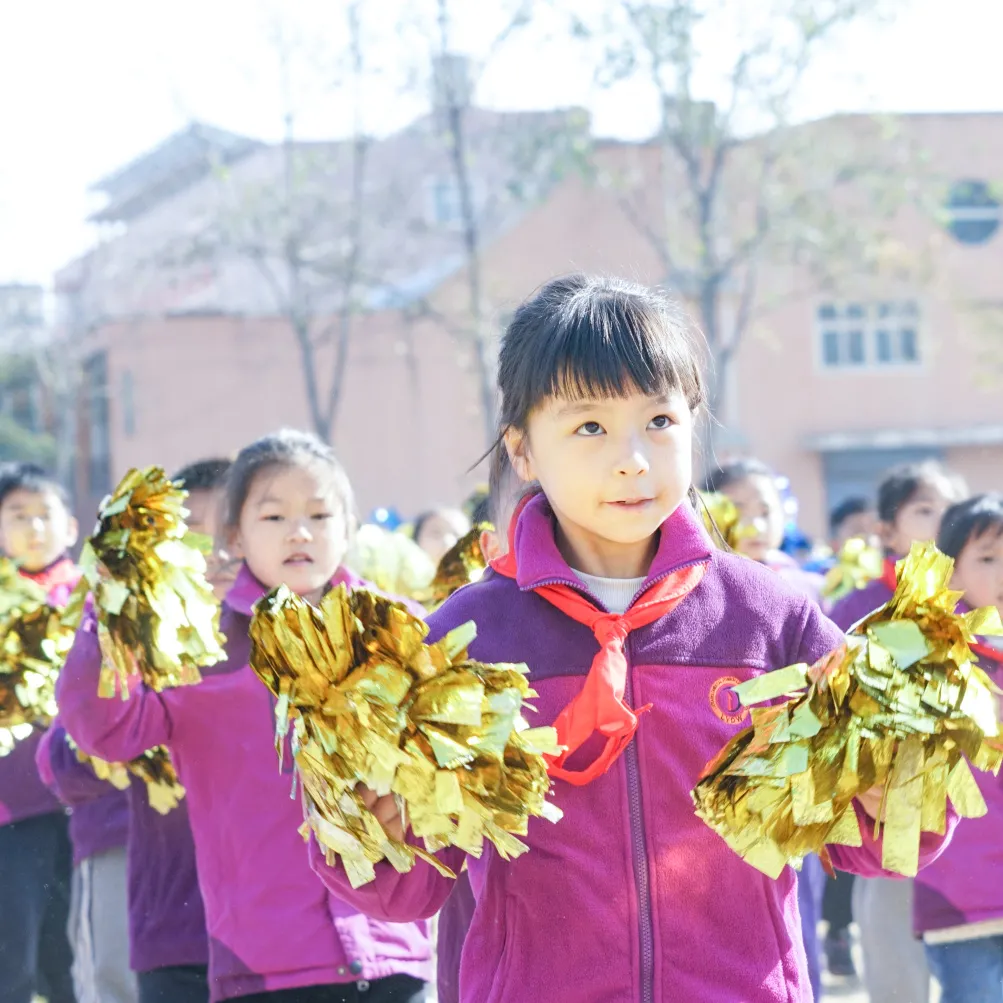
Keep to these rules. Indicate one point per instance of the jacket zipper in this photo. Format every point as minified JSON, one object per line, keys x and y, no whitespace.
{"x":639,"y":856}
{"x":638,"y":849}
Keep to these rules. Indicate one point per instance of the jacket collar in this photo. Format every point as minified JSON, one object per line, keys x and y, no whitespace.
{"x":247,"y":590}
{"x":534,"y":559}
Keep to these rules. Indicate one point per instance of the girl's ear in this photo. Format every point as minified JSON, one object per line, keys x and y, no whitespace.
{"x":72,"y":532}
{"x":233,"y":545}
{"x":886,"y":533}
{"x":517,"y":447}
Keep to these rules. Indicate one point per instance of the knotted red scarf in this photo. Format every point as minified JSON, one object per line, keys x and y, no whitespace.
{"x":599,"y":706}
{"x":889,"y":576}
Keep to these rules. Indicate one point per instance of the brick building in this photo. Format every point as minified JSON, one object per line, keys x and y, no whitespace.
{"x":833,"y":382}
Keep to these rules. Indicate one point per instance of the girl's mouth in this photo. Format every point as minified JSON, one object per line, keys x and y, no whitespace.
{"x":632,"y":504}
{"x":296,"y":560}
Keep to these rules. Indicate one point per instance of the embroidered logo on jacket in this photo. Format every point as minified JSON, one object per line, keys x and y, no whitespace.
{"x":725,"y":703}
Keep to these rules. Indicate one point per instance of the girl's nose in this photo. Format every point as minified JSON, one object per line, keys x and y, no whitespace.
{"x":635,"y":461}
{"x":301,"y":531}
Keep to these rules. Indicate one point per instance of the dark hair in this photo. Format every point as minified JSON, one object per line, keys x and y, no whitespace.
{"x":969,"y":520}
{"x":203,"y":475}
{"x":482,"y":512}
{"x":32,"y":478}
{"x":285,"y":448}
{"x":584,"y":337}
{"x":734,"y":471}
{"x":846,"y":510}
{"x":901,"y":484}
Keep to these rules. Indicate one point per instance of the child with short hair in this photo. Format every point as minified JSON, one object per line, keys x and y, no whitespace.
{"x":168,"y":943}
{"x":275,"y":933}
{"x":912,"y":500}
{"x":37,"y":530}
{"x":615,"y":598}
{"x":958,"y":905}
{"x":852,"y":518}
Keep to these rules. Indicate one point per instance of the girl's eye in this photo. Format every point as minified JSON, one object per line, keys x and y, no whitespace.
{"x":661,"y":421}
{"x":321,"y":515}
{"x":590,"y":428}
{"x":271,"y":518}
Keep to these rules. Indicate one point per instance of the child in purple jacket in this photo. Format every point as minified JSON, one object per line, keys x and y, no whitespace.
{"x":958,"y":905}
{"x":36,"y":531}
{"x":615,"y":598}
{"x":912,"y":500}
{"x":168,"y":943}
{"x":275,"y":932}
{"x":752,"y":488}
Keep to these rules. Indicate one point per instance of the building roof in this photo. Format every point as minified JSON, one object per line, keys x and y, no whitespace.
{"x":168,"y":168}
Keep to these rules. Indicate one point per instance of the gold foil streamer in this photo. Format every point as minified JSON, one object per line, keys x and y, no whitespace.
{"x":857,"y":565}
{"x":34,"y":644}
{"x":902,"y":707}
{"x":154,"y":768}
{"x":157,"y":617}
{"x":722,"y":519}
{"x":463,"y":564}
{"x":371,"y":704}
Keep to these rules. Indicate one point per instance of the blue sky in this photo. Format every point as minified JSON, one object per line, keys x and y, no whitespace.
{"x":88,"y":86}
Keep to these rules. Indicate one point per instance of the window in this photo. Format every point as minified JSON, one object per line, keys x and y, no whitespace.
{"x":445,"y":206}
{"x":98,"y":432}
{"x":855,"y":335}
{"x":973,"y":212}
{"x":128,"y":404}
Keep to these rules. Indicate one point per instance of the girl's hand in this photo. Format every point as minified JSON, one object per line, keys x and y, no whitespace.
{"x":386,"y":811}
{"x":871,"y":800}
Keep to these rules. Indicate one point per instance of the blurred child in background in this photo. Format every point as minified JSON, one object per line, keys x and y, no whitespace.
{"x":958,"y":907}
{"x":912,"y":500}
{"x":37,"y":530}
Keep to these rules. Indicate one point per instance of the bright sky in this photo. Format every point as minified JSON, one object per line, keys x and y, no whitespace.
{"x":86,"y":87}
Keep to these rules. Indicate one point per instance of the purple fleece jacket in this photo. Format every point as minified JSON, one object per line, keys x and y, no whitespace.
{"x":271,"y":923}
{"x":965,"y":884}
{"x":99,"y":813}
{"x":22,"y":792}
{"x":630,"y":897}
{"x":166,"y":914}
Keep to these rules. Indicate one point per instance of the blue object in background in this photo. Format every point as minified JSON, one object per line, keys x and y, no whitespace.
{"x":386,"y":518}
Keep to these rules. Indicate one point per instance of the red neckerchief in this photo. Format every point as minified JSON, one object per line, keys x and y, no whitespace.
{"x":988,"y":651}
{"x":889,"y":576}
{"x":599,"y":705}
{"x":62,"y":572}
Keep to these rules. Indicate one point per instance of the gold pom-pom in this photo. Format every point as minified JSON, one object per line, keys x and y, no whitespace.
{"x":154,"y":768}
{"x":393,"y":562}
{"x":34,"y":644}
{"x":372,"y":704}
{"x":463,"y":564}
{"x":722,"y":519}
{"x":857,"y":564}
{"x":902,"y":706}
{"x":157,"y":617}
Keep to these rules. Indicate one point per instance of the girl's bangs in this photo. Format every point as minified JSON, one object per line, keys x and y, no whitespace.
{"x":604,"y":361}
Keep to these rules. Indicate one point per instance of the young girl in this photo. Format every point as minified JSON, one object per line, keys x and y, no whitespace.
{"x":275,"y":933}
{"x":614,"y":596}
{"x":752,"y":487}
{"x":912,"y":500}
{"x":958,"y":908}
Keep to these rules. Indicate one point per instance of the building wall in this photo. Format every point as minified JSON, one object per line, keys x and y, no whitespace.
{"x":411,"y":423}
{"x":408,"y":426}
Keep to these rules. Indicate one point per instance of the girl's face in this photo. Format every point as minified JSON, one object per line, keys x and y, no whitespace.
{"x":441,"y":531}
{"x":203,"y":517}
{"x":293,"y":530}
{"x":918,"y":520}
{"x":612,"y":470}
{"x":758,"y":502}
{"x":978,"y":571}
